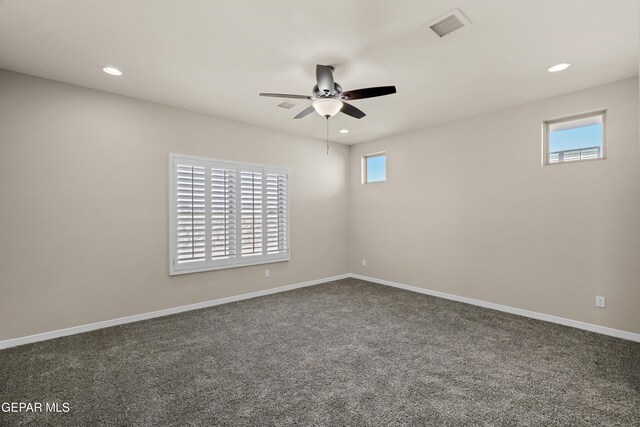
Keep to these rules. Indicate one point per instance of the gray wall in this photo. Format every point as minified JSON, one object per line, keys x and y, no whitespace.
{"x":83,"y":205}
{"x":469,"y":210}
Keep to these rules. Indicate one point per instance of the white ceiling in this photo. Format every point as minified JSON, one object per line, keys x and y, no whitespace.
{"x":215,"y":56}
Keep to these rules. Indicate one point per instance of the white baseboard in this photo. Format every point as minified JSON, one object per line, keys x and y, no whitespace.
{"x":168,"y":311}
{"x":507,"y":309}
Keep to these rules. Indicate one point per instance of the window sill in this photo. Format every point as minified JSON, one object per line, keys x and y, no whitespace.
{"x":173,"y":272}
{"x":574,"y":161}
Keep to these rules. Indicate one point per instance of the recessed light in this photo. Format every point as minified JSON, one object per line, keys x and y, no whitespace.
{"x":344,"y":130}
{"x":112,"y":70}
{"x":558,"y":67}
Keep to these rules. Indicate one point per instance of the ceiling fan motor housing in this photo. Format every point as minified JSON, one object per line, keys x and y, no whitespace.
{"x":337,"y":90}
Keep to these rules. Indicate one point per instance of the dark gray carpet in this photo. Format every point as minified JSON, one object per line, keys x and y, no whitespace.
{"x":344,"y":353}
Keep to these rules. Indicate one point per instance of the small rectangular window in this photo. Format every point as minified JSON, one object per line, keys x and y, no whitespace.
{"x":575,"y":138}
{"x":374,"y":168}
{"x":226,"y":214}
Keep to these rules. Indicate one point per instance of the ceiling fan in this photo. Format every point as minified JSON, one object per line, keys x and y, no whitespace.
{"x":329,"y":99}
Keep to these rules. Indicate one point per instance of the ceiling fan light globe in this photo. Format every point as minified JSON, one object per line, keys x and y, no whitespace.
{"x":327,"y":107}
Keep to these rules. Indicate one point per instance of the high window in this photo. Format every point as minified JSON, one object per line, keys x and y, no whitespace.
{"x":575,"y":138}
{"x":374,"y":168}
{"x":226,"y":214}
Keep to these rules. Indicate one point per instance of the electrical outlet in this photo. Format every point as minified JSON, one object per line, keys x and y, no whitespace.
{"x":267,"y":273}
{"x":364,"y":262}
{"x":600,"y":301}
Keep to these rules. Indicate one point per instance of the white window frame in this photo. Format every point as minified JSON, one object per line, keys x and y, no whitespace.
{"x":546,"y":129}
{"x":364,"y":167}
{"x":238,"y":261}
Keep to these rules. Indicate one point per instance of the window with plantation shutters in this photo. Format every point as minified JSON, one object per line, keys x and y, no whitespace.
{"x":226,"y":214}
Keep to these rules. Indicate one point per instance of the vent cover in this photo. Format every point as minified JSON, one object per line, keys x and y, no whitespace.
{"x":449,"y":23}
{"x":286,"y":105}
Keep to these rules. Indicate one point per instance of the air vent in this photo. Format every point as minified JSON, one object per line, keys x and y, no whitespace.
{"x":449,"y":23}
{"x":286,"y":105}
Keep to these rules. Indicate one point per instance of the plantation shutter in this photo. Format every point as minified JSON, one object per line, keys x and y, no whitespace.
{"x":251,"y":211}
{"x":276,"y":212}
{"x":191,"y":213}
{"x":224,"y":214}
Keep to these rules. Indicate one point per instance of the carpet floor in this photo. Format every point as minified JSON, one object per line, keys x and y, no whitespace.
{"x":343,"y":353}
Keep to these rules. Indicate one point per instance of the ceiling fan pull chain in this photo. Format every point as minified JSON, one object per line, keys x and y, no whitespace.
{"x":327,"y":135}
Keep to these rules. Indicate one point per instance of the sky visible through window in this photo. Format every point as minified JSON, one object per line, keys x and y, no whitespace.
{"x":376,"y":168}
{"x":572,"y":139}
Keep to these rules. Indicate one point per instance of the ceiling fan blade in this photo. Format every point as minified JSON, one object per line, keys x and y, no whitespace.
{"x":324,"y":76}
{"x":369,"y":92}
{"x":286,"y":95}
{"x":352,"y":111}
{"x":305,"y":112}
